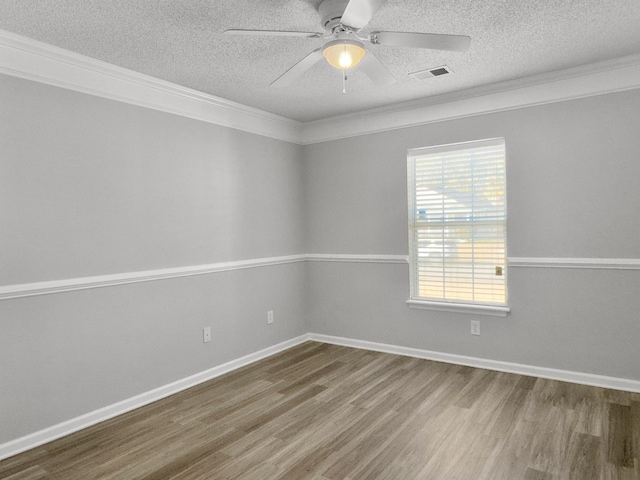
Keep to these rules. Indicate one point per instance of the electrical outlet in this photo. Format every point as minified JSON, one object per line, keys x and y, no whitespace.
{"x":206,"y":334}
{"x":270,"y":317}
{"x":475,"y":327}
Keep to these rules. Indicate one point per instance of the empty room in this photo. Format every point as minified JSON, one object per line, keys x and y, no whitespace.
{"x":320,"y":239}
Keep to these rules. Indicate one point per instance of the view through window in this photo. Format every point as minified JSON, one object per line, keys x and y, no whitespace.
{"x":457,"y":222}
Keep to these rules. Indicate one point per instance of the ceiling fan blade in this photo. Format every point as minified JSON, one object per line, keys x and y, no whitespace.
{"x":456,"y":43}
{"x":359,"y":12}
{"x":298,"y":69}
{"x":272,"y":33}
{"x":375,"y":70}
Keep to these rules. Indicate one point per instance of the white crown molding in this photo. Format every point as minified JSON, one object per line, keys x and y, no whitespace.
{"x":41,"y":437}
{"x":569,"y":84}
{"x":57,"y":286}
{"x":32,"y":60}
{"x":26,"y":58}
{"x":587,"y":263}
{"x":603,"y":381}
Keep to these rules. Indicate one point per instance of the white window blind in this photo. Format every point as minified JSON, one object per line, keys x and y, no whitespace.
{"x":457,"y":223}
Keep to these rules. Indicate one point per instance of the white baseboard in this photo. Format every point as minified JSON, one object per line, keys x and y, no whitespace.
{"x":54,"y":432}
{"x":521,"y":369}
{"x":41,"y":437}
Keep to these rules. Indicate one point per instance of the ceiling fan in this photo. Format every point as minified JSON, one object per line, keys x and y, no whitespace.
{"x":343,"y":20}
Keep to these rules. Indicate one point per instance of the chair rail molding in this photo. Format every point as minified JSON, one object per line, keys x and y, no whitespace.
{"x":586,"y":263}
{"x":70,"y":284}
{"x":58,"y":286}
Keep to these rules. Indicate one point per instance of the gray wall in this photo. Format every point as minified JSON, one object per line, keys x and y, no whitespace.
{"x":90,"y":186}
{"x":98,"y":187}
{"x":572,"y":181}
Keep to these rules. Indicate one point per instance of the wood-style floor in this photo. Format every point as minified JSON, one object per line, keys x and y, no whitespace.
{"x":321,"y":412}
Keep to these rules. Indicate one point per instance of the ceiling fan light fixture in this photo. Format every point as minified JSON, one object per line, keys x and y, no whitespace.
{"x":344,"y":54}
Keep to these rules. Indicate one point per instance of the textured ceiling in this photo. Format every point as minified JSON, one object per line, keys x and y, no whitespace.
{"x":182,"y":42}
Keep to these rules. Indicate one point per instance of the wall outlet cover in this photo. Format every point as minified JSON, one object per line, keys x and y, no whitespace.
{"x":475,"y":327}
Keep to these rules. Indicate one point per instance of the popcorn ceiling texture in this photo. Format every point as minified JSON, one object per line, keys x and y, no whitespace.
{"x":182,"y":42}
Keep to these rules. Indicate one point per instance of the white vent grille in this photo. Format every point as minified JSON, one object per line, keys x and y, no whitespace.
{"x":431,"y":72}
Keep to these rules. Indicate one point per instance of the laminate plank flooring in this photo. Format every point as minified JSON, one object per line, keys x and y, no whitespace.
{"x":325,"y":412}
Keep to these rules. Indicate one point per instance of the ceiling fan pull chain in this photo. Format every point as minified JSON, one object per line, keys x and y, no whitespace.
{"x":344,"y":82}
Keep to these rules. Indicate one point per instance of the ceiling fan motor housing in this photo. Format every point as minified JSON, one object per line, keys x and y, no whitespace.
{"x":331,"y":12}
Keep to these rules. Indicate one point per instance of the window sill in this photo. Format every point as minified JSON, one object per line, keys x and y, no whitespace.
{"x":493,"y":310}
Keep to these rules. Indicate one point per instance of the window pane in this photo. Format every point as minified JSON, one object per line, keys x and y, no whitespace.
{"x":457,"y":221}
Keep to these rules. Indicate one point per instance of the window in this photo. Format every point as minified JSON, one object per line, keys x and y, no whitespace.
{"x":457,"y":227}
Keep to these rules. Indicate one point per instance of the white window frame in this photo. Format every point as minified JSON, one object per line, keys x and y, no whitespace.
{"x":458,"y":306}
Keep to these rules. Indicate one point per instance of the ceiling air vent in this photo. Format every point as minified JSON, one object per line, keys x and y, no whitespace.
{"x":431,"y":72}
